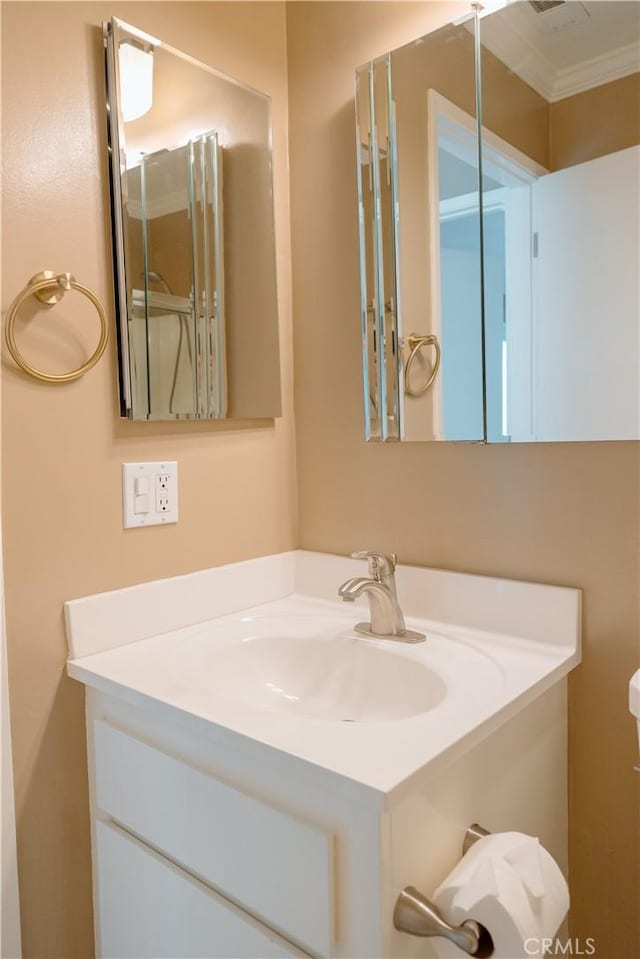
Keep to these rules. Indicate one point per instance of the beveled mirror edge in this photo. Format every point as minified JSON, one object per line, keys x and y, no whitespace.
{"x":386,"y":265}
{"x":380,"y":425}
{"x":114,"y":137}
{"x":378,"y":263}
{"x":368,"y":304}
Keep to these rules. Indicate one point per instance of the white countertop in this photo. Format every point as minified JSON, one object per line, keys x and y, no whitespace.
{"x":489,"y":674}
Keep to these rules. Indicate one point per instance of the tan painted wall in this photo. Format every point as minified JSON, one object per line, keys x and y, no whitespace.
{"x":513,"y":111}
{"x":594,"y":123}
{"x":565,"y":513}
{"x":63,"y":446}
{"x":554,"y":513}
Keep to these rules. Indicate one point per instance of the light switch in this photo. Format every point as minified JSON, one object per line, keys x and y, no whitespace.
{"x":149,"y":493}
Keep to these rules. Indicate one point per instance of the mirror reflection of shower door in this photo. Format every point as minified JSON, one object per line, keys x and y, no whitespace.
{"x":169,"y":334}
{"x":177,"y":352}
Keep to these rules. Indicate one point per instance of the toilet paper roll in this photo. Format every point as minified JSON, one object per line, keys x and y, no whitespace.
{"x":510,"y":884}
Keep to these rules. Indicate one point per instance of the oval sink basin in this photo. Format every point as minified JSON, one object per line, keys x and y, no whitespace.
{"x":341,"y":678}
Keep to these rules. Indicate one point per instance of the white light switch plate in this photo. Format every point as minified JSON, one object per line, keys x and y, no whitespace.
{"x":149,"y":493}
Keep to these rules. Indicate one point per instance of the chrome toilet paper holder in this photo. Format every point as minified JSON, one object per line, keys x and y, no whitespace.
{"x":416,"y":915}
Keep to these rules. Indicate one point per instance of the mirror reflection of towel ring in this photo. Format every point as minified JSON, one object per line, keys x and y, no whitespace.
{"x":50,"y":289}
{"x":415,"y":342}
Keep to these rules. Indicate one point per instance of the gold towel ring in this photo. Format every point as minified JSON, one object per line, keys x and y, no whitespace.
{"x":415,"y":344}
{"x":55,"y":286}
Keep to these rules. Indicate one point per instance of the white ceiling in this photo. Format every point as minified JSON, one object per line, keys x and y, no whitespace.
{"x":568,"y":49}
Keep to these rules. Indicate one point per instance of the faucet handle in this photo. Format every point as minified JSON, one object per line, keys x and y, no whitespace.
{"x":381,"y":565}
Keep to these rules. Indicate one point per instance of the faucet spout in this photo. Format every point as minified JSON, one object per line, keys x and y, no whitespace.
{"x":387,"y":620}
{"x":386,"y":615}
{"x":353,"y":588}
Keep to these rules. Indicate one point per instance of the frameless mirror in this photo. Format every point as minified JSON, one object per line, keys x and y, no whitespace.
{"x":561,"y":135}
{"x":193,"y":231}
{"x":515,"y":307}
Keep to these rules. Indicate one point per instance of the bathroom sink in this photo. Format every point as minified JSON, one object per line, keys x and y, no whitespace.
{"x":317,"y":667}
{"x":339,"y":678}
{"x":291,"y":675}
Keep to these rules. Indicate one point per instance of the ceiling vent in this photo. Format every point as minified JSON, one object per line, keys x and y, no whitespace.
{"x":541,"y":6}
{"x":559,"y":15}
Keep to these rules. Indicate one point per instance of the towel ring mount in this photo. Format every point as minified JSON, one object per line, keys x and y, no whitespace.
{"x":50,"y":288}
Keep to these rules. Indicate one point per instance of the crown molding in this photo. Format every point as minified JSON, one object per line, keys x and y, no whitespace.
{"x":525,"y":59}
{"x":612,"y":65}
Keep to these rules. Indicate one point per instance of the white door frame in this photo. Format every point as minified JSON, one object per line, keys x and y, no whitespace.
{"x":457,"y":131}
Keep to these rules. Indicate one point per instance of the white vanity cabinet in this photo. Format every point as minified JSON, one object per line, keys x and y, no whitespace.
{"x":235,"y":814}
{"x":202,"y":850}
{"x":277,"y":867}
{"x":150,"y":907}
{"x":205,"y":850}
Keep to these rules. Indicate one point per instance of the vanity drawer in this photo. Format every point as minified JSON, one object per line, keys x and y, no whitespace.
{"x":274,"y":866}
{"x":151,"y":909}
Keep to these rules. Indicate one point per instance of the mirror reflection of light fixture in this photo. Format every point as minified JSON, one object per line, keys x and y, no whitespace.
{"x":136,"y":80}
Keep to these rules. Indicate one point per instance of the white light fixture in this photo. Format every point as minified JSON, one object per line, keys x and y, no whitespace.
{"x":136,"y":80}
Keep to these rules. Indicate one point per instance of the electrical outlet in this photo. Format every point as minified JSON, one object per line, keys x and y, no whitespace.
{"x":163,"y":497}
{"x":149,"y":494}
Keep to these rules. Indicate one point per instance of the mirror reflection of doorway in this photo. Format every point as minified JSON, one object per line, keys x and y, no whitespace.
{"x":487,"y":359}
{"x":461,"y":327}
{"x":461,"y":299}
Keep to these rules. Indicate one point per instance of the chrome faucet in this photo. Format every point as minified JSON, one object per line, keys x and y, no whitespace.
{"x":387,"y":621}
